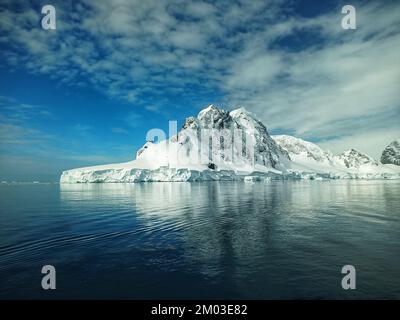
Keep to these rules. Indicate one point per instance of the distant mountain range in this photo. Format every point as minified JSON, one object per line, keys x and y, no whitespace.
{"x":236,"y":145}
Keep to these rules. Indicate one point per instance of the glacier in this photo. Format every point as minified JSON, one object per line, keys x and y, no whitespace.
{"x":232,"y":146}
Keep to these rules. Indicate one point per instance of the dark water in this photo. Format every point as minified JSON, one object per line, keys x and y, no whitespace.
{"x":201,"y":240}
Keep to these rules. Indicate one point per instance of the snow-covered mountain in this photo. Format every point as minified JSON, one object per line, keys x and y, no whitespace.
{"x":309,"y":160}
{"x":299,"y":148}
{"x":306,"y":157}
{"x":217,"y":144}
{"x":355,"y":159}
{"x":391,"y":154}
{"x":230,"y":145}
{"x":238,"y":142}
{"x":266,"y":151}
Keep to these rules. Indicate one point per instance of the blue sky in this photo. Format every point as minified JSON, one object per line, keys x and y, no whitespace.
{"x":88,"y":92}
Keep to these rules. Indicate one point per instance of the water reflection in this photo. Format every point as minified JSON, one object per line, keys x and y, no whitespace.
{"x":257,"y":240}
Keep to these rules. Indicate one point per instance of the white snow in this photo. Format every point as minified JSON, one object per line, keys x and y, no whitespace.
{"x":185,"y":157}
{"x":309,"y":161}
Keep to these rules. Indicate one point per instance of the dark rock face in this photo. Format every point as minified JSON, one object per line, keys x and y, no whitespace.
{"x":391,"y":154}
{"x":212,"y":166}
{"x":266,"y":151}
{"x":215,"y":118}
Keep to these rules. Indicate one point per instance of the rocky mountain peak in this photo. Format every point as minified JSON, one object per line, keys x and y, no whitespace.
{"x":391,"y":154}
{"x":266,"y":151}
{"x":213,"y":117}
{"x":353,"y":158}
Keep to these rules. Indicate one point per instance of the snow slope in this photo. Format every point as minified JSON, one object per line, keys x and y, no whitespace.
{"x":223,"y":145}
{"x":188,"y":156}
{"x":309,"y":160}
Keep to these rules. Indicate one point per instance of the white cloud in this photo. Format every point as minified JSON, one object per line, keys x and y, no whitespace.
{"x":254,"y":71}
{"x":323,"y":90}
{"x":370,"y":142}
{"x":136,"y":50}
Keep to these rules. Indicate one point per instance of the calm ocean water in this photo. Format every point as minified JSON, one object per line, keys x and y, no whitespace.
{"x":201,"y":240}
